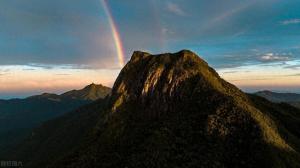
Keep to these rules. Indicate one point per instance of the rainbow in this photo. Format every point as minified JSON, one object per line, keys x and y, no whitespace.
{"x":115,"y":34}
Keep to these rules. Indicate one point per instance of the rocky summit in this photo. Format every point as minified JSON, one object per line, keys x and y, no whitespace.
{"x":193,"y":114}
{"x":173,"y":110}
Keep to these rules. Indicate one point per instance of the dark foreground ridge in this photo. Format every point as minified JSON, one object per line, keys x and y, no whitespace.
{"x":168,"y":110}
{"x":19,"y":116}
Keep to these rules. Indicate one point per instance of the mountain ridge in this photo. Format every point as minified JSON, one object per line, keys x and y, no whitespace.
{"x":153,"y":89}
{"x":173,"y":110}
{"x":290,"y":98}
{"x":188,"y":58}
{"x":89,"y":92}
{"x":19,"y":116}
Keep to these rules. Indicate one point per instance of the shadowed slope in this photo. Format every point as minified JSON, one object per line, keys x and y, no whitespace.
{"x":19,"y":116}
{"x":173,"y":110}
{"x":58,"y":137}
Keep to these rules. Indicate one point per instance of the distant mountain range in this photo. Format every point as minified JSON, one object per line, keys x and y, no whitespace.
{"x":19,"y":116}
{"x":168,"y":110}
{"x":291,"y":98}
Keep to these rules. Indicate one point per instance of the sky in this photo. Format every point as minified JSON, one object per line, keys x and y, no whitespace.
{"x":59,"y":45}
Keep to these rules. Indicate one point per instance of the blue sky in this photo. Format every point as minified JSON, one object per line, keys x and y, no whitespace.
{"x":242,"y":39}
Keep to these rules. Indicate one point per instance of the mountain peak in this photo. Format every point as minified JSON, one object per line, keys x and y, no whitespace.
{"x":162,"y":75}
{"x":179,"y":94}
{"x":90,"y":92}
{"x":183,"y":54}
{"x":165,"y":83}
{"x":93,"y":86}
{"x":137,"y":55}
{"x":173,"y":110}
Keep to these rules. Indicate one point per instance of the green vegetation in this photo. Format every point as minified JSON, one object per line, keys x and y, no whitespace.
{"x":19,"y":116}
{"x":170,"y":110}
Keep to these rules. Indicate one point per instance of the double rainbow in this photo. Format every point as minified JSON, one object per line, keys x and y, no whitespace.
{"x":115,"y":34}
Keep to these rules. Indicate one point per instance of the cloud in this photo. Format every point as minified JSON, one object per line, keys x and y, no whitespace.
{"x":3,"y":73}
{"x":28,"y":69}
{"x":174,"y":8}
{"x":36,"y":66}
{"x":4,"y":70}
{"x":252,"y":79}
{"x":60,"y":66}
{"x":298,"y":74}
{"x":43,"y":66}
{"x":273,"y":57}
{"x":230,"y":72}
{"x":294,"y":67}
{"x":233,"y":72}
{"x":290,"y":21}
{"x":63,"y":74}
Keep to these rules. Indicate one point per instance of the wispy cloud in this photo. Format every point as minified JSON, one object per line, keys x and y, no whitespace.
{"x":272,"y":57}
{"x":294,"y":67}
{"x":174,"y":8}
{"x":290,"y":21}
{"x":28,"y":69}
{"x":230,"y":72}
{"x":4,"y":72}
{"x":52,"y":66}
{"x":62,"y":74}
{"x":43,"y":66}
{"x":252,"y":79}
{"x":233,"y":72}
{"x":298,"y":74}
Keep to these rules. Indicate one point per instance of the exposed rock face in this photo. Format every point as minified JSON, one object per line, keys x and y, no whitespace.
{"x":162,"y":81}
{"x":173,"y":110}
